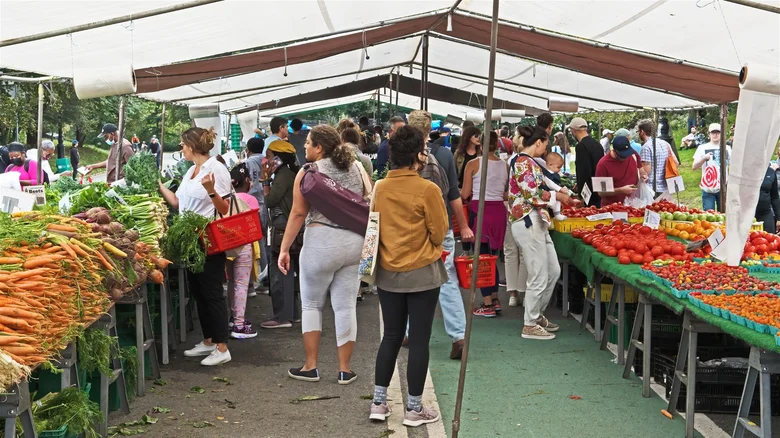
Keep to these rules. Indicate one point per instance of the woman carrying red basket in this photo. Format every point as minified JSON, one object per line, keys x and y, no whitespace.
{"x":203,"y":191}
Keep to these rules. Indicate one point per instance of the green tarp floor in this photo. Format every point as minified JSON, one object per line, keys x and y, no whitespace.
{"x":523,"y":388}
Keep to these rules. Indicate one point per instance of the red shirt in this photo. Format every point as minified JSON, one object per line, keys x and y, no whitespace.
{"x":623,"y":173}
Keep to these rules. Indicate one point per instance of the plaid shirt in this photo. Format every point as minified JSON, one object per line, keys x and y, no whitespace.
{"x":661,"y":153}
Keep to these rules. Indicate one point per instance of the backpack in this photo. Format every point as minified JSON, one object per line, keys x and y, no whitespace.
{"x":5,"y":160}
{"x":434,"y":172}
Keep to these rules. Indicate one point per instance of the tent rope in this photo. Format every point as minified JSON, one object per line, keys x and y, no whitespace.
{"x":285,"y":62}
{"x":728,"y":30}
{"x":365,"y":46}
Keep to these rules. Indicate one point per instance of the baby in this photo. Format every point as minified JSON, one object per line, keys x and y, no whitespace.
{"x":552,"y":179}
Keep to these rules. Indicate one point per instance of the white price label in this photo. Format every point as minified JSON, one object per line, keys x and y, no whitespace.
{"x":620,"y":216}
{"x":716,"y":238}
{"x":652,"y":219}
{"x":603,"y":184}
{"x":599,"y":217}
{"x":586,"y":193}
{"x":675,"y":185}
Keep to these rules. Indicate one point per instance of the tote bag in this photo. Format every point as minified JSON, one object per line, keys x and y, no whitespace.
{"x":671,"y":170}
{"x":369,"y":254}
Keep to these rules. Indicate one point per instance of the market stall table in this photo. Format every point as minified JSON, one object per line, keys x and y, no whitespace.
{"x":594,"y":264}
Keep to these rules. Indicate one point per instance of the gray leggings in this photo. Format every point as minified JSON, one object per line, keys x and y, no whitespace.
{"x":329,"y":261}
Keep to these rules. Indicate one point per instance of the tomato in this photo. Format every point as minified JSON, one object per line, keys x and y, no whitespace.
{"x":656,"y":251}
{"x":610,"y":252}
{"x":676,"y":251}
{"x":624,"y":260}
{"x":620,"y":245}
{"x":761,"y":248}
{"x":750,"y":248}
{"x":637,"y":259}
{"x":588,"y":239}
{"x":646,"y":230}
{"x":648,"y":259}
{"x":759,"y":241}
{"x":641,"y":248}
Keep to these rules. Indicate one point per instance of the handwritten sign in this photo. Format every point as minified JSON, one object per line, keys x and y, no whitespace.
{"x":652,"y":219}
{"x":603,"y":184}
{"x":586,"y":194}
{"x":39,"y":192}
{"x":716,"y":238}
{"x":675,"y":185}
{"x":599,"y":217}
{"x":620,"y":216}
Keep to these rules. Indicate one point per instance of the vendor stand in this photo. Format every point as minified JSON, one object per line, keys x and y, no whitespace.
{"x":764,"y":347}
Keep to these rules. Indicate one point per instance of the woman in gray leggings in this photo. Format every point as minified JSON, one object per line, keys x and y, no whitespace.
{"x":329,"y":258}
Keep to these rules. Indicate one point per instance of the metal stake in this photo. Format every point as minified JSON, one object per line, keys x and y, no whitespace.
{"x":480,"y":216}
{"x":724,"y":129}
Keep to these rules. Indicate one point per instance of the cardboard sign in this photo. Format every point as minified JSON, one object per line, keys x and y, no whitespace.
{"x":652,"y":219}
{"x":675,"y":185}
{"x":620,"y":216}
{"x":586,"y":194}
{"x":716,"y":238}
{"x":599,"y":217}
{"x":39,"y":192}
{"x":15,"y":200}
{"x":603,"y":184}
{"x":113,"y":194}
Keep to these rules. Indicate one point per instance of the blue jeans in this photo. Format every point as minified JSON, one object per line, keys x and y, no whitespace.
{"x":450,"y":299}
{"x":710,"y":201}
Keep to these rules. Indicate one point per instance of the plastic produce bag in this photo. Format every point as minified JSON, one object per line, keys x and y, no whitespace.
{"x":642,"y":197}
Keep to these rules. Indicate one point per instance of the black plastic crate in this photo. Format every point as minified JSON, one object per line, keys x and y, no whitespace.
{"x":723,"y":398}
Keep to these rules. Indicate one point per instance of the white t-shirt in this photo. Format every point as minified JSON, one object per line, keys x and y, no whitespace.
{"x":46,"y":166}
{"x":191,"y":194}
{"x":710,"y":170}
{"x":605,"y":144}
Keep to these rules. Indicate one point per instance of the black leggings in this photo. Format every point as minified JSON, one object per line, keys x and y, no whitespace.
{"x":206,"y":288}
{"x":419,"y":308}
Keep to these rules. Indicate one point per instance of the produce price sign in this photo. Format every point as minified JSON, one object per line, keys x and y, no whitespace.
{"x":586,"y":193}
{"x":600,"y":217}
{"x":603,"y":184}
{"x":716,"y":238}
{"x":652,"y":219}
{"x":620,"y":216}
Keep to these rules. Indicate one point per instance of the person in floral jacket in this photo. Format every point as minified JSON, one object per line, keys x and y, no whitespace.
{"x":529,"y":200}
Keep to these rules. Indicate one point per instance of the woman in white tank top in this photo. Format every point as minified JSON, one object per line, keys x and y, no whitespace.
{"x":495,"y":217}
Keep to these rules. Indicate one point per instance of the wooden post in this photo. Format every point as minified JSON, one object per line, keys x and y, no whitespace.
{"x":480,"y":219}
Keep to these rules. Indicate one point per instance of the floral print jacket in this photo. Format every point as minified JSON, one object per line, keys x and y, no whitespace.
{"x":527,"y":191}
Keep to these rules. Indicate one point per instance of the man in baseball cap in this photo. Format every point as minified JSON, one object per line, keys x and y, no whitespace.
{"x":621,"y":164}
{"x":707,"y":157}
{"x":588,"y":153}
{"x":606,"y":138}
{"x":118,"y":154}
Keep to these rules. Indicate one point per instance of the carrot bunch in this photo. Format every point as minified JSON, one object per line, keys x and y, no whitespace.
{"x":51,"y":287}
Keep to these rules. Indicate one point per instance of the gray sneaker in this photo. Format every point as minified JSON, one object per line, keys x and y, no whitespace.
{"x":379,"y":412}
{"x":536,"y":332}
{"x":274,"y":324}
{"x":547,"y":325}
{"x":425,"y":416}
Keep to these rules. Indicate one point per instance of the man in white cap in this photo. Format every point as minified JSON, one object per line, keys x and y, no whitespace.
{"x":606,"y":139}
{"x":707,"y":157}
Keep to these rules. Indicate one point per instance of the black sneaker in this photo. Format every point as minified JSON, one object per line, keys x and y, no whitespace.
{"x":308,"y":376}
{"x":346,"y":377}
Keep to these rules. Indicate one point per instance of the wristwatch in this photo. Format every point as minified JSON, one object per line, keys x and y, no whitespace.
{"x":266,"y":183}
{"x":211,"y":195}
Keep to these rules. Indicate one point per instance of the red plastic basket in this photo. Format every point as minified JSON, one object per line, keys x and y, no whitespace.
{"x":233,"y":231}
{"x":455,"y":225}
{"x":486,"y":273}
{"x":444,"y":255}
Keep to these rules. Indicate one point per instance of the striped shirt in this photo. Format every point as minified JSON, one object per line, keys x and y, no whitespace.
{"x":661,"y":153}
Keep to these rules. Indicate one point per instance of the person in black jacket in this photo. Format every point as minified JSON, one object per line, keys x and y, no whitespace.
{"x":588,"y":153}
{"x":768,"y":207}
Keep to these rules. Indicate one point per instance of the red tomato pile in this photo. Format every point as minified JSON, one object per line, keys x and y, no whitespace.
{"x":761,"y":244}
{"x":634,"y":243}
{"x":611,"y":208}
{"x":671,"y":207}
{"x":710,"y":276}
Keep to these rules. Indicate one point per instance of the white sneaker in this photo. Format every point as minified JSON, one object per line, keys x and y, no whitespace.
{"x":512,"y":301}
{"x":536,"y":332}
{"x":200,"y":349}
{"x":251,"y":293}
{"x":216,"y":358}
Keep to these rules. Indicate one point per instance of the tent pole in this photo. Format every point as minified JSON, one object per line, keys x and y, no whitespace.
{"x":423,"y":72}
{"x":121,"y":131}
{"x":40,"y":133}
{"x":757,"y":5}
{"x":655,"y":161}
{"x":480,"y":219}
{"x":103,"y":23}
{"x":378,"y":112}
{"x":397,"y":86}
{"x":427,"y":69}
{"x":162,"y":136}
{"x":724,"y":130}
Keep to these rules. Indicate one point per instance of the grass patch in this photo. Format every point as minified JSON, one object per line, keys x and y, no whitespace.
{"x":87,"y":154}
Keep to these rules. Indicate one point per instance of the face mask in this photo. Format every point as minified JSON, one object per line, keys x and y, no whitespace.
{"x":110,"y":142}
{"x":18,"y":161}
